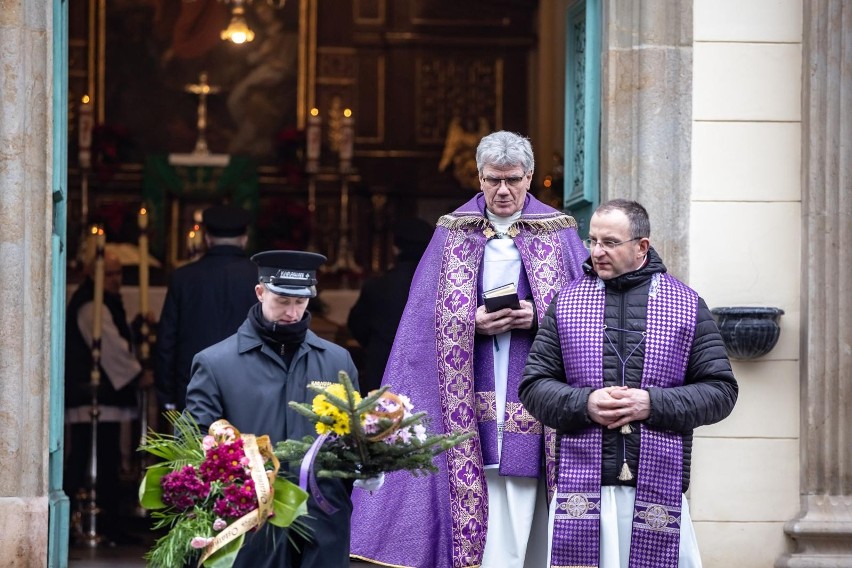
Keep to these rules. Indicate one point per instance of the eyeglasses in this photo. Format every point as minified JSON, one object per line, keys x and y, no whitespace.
{"x":513,"y":182}
{"x":606,"y":245}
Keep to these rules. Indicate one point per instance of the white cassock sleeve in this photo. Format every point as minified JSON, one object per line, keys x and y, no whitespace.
{"x":117,"y":360}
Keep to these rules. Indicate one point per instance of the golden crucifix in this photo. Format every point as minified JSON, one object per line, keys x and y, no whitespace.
{"x":202,"y":89}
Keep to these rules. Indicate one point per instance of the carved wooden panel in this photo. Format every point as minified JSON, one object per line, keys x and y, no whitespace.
{"x":369,"y":12}
{"x":468,"y":88}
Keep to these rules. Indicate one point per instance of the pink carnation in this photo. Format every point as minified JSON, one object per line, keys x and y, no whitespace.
{"x":208,"y":442}
{"x":200,"y":542}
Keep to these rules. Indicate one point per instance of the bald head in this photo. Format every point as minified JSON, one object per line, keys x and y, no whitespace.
{"x":112,"y":272}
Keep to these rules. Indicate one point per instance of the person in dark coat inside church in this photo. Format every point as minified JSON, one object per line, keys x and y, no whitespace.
{"x":375,"y":316}
{"x":196,"y":316}
{"x":249,"y":379}
{"x":121,"y":375}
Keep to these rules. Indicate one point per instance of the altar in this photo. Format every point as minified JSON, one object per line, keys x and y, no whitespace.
{"x":177,"y":187}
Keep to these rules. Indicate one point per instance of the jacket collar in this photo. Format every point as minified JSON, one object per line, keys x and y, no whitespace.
{"x":248,"y":339}
{"x":226,"y":250}
{"x":632,"y":279}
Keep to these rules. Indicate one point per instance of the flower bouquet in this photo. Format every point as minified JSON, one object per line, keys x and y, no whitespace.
{"x":364,"y":438}
{"x":209,"y":491}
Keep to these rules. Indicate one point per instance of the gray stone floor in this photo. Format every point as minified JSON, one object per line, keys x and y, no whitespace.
{"x":125,"y":557}
{"x":138,"y":531}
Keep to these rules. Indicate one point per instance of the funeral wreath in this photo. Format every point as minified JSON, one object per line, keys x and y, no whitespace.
{"x":209,"y":491}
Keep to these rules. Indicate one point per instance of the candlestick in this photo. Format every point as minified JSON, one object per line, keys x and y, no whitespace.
{"x":143,"y":262}
{"x":98,"y":301}
{"x":198,"y":239}
{"x":84,"y":133}
{"x":313,"y":140}
{"x":347,"y":139}
{"x":194,"y":240}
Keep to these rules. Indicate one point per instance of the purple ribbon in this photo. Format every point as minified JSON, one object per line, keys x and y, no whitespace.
{"x":306,"y":476}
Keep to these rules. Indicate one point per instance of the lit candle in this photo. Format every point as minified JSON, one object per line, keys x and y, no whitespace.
{"x":98,"y":303}
{"x":190,"y":243}
{"x":347,"y":138}
{"x":313,"y":139}
{"x":85,"y":132}
{"x":143,"y":262}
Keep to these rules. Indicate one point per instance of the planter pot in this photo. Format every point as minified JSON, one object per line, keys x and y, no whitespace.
{"x":748,"y":332}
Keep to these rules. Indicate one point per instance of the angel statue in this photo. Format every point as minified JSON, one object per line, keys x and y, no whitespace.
{"x":460,"y":151}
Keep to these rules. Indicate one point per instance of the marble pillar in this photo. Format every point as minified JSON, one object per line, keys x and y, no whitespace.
{"x":26,"y":208}
{"x":822,"y":532}
{"x":646,"y":124}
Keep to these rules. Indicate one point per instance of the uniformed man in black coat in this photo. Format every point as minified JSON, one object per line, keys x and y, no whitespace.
{"x":249,"y":379}
{"x":207,"y":300}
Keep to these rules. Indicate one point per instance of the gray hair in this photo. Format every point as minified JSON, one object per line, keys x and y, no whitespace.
{"x":637,"y":215}
{"x":505,"y":149}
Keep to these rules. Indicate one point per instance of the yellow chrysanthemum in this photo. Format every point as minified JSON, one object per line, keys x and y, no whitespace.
{"x":341,"y":427}
{"x":339,"y":391}
{"x":323,"y":407}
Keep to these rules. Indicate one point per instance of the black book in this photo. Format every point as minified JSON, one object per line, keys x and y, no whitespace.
{"x":505,"y":296}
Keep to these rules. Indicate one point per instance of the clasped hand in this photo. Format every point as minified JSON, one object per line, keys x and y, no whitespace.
{"x":614,"y":407}
{"x":504,"y":320}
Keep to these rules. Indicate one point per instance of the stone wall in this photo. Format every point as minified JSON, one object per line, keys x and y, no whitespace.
{"x":646,"y":117}
{"x":26,"y":75}
{"x":744,"y":235}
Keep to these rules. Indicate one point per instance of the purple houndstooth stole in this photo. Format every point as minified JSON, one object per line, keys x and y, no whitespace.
{"x":670,"y":327}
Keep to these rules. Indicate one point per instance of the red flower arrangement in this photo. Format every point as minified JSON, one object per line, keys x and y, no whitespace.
{"x":210,"y":491}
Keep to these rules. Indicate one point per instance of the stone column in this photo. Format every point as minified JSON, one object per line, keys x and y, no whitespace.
{"x":646,"y":127}
{"x":823,"y":529}
{"x":26,"y":76}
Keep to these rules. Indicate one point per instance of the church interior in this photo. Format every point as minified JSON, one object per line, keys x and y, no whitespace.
{"x":335,"y":119}
{"x":327,"y":120}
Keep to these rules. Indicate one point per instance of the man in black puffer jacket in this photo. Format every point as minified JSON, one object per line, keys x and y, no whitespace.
{"x":626,"y":363}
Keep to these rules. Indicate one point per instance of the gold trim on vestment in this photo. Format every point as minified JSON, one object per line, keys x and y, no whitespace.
{"x":551,"y":223}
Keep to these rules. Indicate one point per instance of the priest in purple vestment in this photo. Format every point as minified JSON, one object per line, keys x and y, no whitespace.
{"x":627,"y":362}
{"x":463,"y":364}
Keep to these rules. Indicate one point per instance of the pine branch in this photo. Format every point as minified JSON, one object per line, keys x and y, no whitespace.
{"x":359,"y":454}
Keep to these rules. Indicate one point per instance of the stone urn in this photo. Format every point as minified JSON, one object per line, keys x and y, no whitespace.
{"x":748,"y":332}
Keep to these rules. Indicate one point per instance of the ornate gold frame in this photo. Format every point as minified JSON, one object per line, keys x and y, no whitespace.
{"x":96,"y":60}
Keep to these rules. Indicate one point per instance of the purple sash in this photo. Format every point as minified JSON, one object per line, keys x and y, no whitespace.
{"x":521,"y":432}
{"x":670,"y":326}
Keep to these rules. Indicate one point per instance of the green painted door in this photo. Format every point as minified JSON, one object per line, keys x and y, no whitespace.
{"x":582,"y":111}
{"x":58,"y":502}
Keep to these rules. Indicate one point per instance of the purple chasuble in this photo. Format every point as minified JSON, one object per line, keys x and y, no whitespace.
{"x":669,"y":331}
{"x":440,"y":521}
